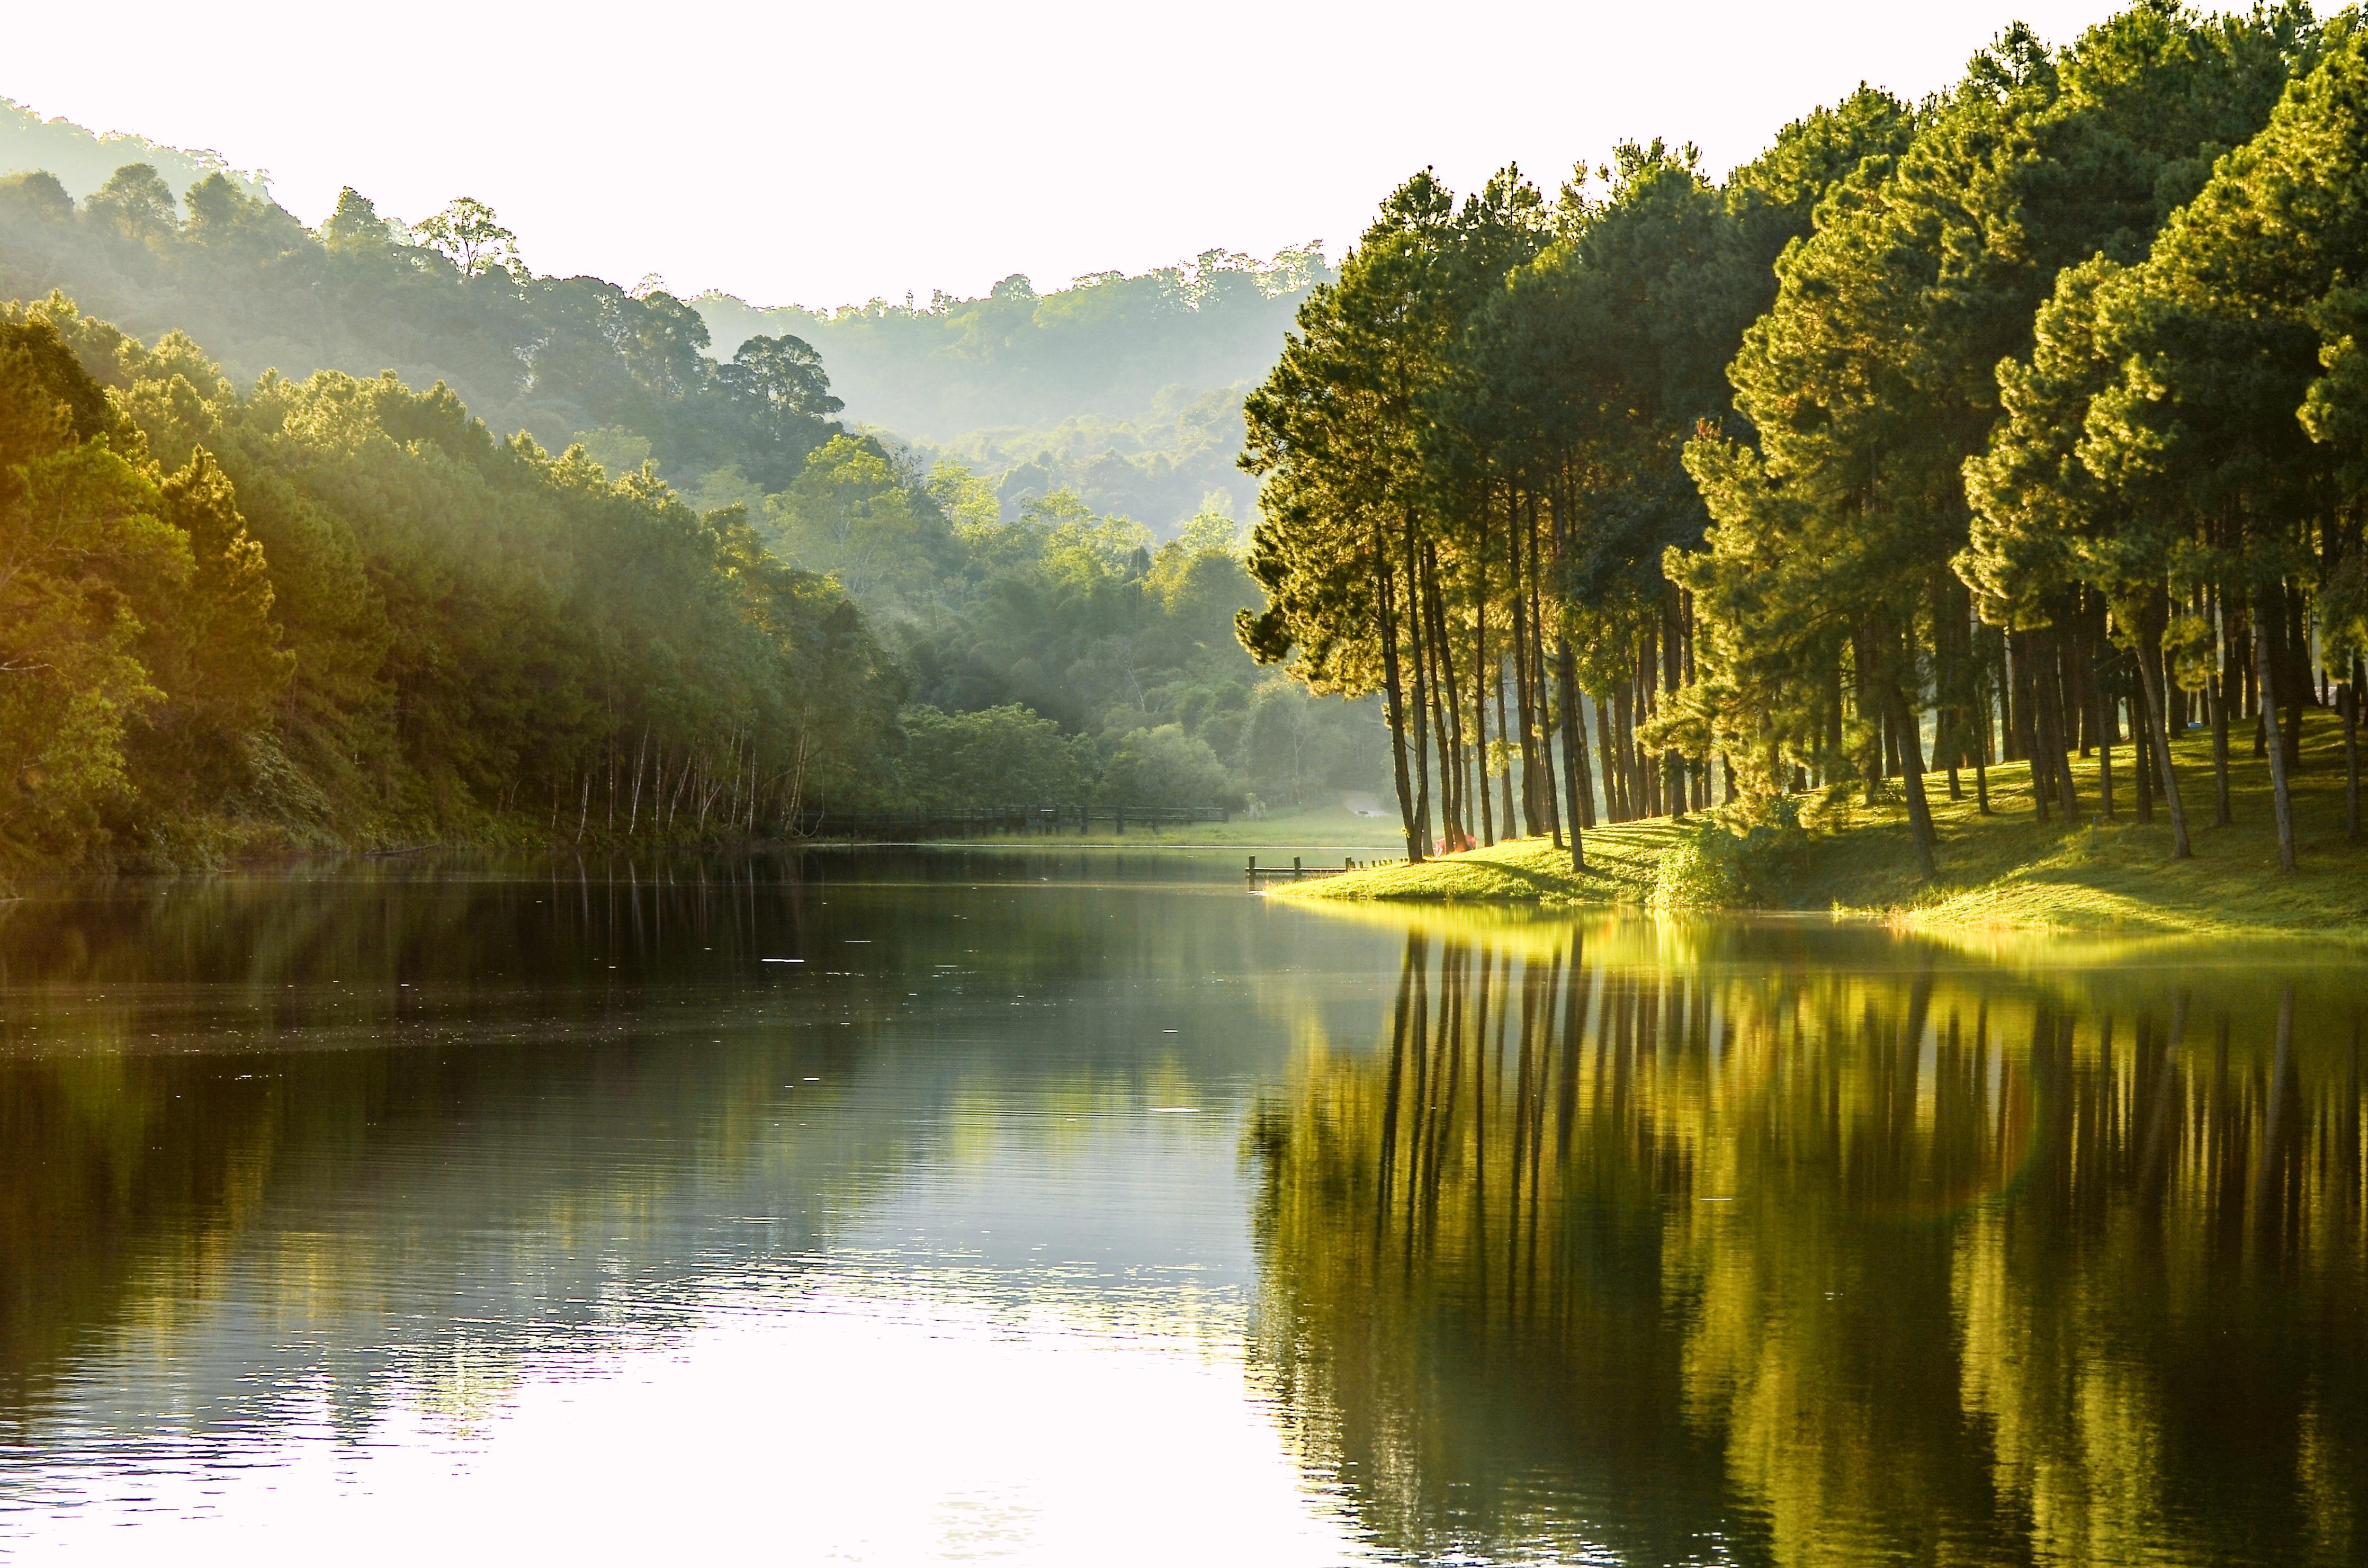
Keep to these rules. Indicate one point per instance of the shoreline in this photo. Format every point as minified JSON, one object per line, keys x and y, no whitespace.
{"x":2006,"y":871}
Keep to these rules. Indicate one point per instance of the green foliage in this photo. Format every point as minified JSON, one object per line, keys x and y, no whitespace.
{"x":1004,"y":756}
{"x":1724,"y":860}
{"x":467,"y":235}
{"x":1164,"y":767}
{"x":1076,"y":616}
{"x":448,"y":300}
{"x":81,"y":161}
{"x":343,"y":608}
{"x":1124,"y":390}
{"x":1104,"y":348}
{"x":854,"y":514}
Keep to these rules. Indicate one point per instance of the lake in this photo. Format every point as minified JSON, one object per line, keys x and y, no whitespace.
{"x":1075,"y":1207}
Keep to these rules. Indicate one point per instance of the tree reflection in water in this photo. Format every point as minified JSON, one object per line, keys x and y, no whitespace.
{"x":1666,"y":1244}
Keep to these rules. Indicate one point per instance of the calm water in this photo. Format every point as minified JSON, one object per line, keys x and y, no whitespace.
{"x":1075,"y":1207}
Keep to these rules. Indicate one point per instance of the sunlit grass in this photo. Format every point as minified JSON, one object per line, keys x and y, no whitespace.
{"x":2004,"y":871}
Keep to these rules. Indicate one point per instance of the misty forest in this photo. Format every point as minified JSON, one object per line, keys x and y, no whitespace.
{"x":2013,"y":425}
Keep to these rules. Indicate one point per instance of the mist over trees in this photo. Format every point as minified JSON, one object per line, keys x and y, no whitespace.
{"x":2016,"y":423}
{"x":83,"y":159}
{"x":685,"y":597}
{"x":1125,"y":390}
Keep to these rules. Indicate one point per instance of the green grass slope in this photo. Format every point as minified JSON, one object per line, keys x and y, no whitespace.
{"x":2005,"y":871}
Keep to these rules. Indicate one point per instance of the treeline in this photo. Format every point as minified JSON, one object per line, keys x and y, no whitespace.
{"x":1105,"y":346}
{"x":539,"y":638}
{"x":448,"y":300}
{"x":341,"y":612}
{"x":1056,"y":654}
{"x":83,"y":159}
{"x":1125,"y":390}
{"x":1987,"y":425}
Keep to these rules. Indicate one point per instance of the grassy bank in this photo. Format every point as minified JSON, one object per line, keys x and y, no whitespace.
{"x":2005,"y":871}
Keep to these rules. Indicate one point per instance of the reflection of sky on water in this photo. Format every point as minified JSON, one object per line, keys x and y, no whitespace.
{"x":937,"y":1248}
{"x":1026,"y":1359}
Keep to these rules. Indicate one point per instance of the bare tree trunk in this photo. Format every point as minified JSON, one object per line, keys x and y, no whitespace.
{"x":2048,"y":702}
{"x":1505,"y":734}
{"x":1394,"y":692}
{"x":1982,"y":756}
{"x":1672,"y":761}
{"x":2103,"y":706}
{"x":2278,"y":792}
{"x":2144,"y":727}
{"x":1614,"y":800}
{"x":2150,"y":673}
{"x":1545,"y":728}
{"x":1911,"y":774}
{"x":1421,"y":691}
{"x":1480,"y":678}
{"x":2350,"y":703}
{"x":1457,"y":806}
{"x":641,"y":757}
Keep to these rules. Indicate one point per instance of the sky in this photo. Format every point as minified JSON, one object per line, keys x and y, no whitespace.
{"x":830,"y":154}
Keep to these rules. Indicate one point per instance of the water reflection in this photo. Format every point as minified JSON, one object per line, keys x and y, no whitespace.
{"x":305,"y":1174}
{"x":1077,"y":1208}
{"x":1667,"y":1244}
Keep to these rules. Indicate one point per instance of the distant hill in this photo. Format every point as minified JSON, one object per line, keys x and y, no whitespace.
{"x":1124,"y":389}
{"x":83,"y":159}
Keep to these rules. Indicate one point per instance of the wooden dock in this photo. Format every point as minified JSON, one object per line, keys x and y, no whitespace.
{"x":1299,"y":871}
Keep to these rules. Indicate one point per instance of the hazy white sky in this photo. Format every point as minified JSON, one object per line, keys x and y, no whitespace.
{"x":824,"y":155}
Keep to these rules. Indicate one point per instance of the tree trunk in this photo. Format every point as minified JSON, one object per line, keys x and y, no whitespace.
{"x":1522,"y":693}
{"x":2097,"y":689}
{"x":1445,"y":718}
{"x":1911,"y":775}
{"x":2350,"y":700}
{"x":2150,"y":676}
{"x":1421,"y":691}
{"x":1982,"y":755}
{"x":1573,"y":747}
{"x":2295,"y":643}
{"x":1614,"y":797}
{"x":1480,"y":681}
{"x":1673,"y":764}
{"x":2278,"y":793}
{"x":2032,"y":704}
{"x":1505,"y":732}
{"x":2057,"y":712}
{"x":2144,"y":729}
{"x":1394,"y":693}
{"x":1545,"y":728}
{"x":2215,"y":695}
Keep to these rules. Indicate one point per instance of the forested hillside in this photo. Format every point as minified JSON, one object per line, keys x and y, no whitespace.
{"x":2011,"y":425}
{"x":2022,"y":422}
{"x":340,"y":611}
{"x":84,"y":160}
{"x":683,"y":598}
{"x":1124,"y":389}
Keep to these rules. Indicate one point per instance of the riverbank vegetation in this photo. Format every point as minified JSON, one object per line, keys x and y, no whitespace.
{"x":2007,"y":869}
{"x":1941,"y":446}
{"x":314,"y":607}
{"x":342,"y":612}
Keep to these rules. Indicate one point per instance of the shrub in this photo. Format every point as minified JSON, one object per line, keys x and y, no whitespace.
{"x":997,"y":756}
{"x":1722,"y":861}
{"x":1164,"y":767}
